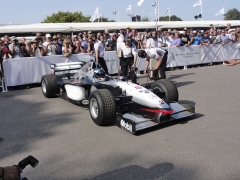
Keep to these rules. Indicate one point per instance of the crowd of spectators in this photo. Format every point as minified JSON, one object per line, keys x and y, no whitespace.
{"x":57,"y":44}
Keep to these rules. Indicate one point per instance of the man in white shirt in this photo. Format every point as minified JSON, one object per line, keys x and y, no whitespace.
{"x":48,"y":46}
{"x":158,"y":58}
{"x":99,"y":50}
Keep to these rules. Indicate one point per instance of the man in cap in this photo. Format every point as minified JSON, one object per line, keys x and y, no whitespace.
{"x":128,"y":30}
{"x":49,"y":47}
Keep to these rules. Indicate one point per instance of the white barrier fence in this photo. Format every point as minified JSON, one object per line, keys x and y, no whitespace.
{"x":30,"y":70}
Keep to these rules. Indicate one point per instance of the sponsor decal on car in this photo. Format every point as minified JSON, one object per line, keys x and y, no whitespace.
{"x":161,"y":102}
{"x":125,"y":125}
{"x":144,"y":91}
{"x":138,"y":87}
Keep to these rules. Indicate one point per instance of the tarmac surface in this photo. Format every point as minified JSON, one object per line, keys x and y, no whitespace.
{"x":70,"y":146}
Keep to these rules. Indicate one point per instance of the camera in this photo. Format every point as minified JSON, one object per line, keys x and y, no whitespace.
{"x":22,"y":44}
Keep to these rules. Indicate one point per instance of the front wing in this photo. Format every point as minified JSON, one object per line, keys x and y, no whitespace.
{"x":133,"y":122}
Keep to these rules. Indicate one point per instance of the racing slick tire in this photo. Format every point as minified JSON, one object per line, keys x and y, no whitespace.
{"x":49,"y":86}
{"x":166,"y":90}
{"x":102,"y":107}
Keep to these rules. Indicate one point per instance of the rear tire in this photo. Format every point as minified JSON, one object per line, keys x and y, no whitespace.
{"x":102,"y":107}
{"x":166,"y":90}
{"x":49,"y":86}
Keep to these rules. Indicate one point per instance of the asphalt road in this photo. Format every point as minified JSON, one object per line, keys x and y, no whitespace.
{"x":70,"y":146}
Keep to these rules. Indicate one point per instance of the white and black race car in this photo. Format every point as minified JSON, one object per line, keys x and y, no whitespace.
{"x":131,"y":106}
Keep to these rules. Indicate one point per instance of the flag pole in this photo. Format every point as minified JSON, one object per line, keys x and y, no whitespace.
{"x":201,"y":9}
{"x":169,"y":14}
{"x":157,"y":15}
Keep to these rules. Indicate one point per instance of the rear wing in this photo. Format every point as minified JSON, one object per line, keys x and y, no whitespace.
{"x":66,"y":69}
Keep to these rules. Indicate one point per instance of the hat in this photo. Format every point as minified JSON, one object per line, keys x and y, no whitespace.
{"x":79,"y":34}
{"x":159,"y":29}
{"x":185,"y":29}
{"x":169,"y":30}
{"x":54,"y":37}
{"x":89,"y":32}
{"x":230,"y":30}
{"x":128,"y":27}
{"x":48,"y":35}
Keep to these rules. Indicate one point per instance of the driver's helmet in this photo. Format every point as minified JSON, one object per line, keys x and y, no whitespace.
{"x":99,"y":74}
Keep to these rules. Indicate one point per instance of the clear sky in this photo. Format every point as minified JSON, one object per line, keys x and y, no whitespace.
{"x":31,"y":11}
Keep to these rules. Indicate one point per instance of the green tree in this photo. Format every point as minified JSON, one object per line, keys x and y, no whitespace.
{"x":103,"y":19}
{"x":172,"y":18}
{"x":232,"y":14}
{"x":145,"y":19}
{"x":67,"y":17}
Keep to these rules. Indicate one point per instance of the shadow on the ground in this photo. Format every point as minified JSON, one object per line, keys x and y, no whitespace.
{"x":137,"y":172}
{"x":172,"y":76}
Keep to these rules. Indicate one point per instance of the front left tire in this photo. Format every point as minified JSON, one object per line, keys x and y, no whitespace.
{"x":102,"y":107}
{"x":49,"y":86}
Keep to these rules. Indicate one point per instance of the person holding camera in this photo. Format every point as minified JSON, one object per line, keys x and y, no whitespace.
{"x":128,"y":57}
{"x":90,"y":49}
{"x":99,"y":50}
{"x":49,"y":47}
{"x":77,"y":48}
{"x":16,"y":49}
{"x":10,"y":172}
{"x":36,"y":50}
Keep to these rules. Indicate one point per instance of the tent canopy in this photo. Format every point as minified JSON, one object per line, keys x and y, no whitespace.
{"x":73,"y":27}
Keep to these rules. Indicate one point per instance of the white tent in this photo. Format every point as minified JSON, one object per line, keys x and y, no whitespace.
{"x":73,"y":27}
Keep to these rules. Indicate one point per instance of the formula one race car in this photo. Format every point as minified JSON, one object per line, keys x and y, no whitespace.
{"x":134,"y":107}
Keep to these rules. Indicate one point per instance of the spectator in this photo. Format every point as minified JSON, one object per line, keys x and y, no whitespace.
{"x":232,"y":36}
{"x":49,"y":47}
{"x":205,"y":39}
{"x":108,"y":37}
{"x":98,"y":35}
{"x":161,"y":39}
{"x":59,"y":44}
{"x":222,"y":39}
{"x":144,"y":38}
{"x":74,"y":38}
{"x":213,"y":38}
{"x":40,"y":42}
{"x":153,"y":41}
{"x":36,"y":50}
{"x":228,"y":27}
{"x":84,"y":42}
{"x":90,"y":49}
{"x":105,"y":39}
{"x":127,"y":31}
{"x":38,"y":35}
{"x":6,"y":41}
{"x":237,"y":34}
{"x":129,"y":56}
{"x":134,"y":34}
{"x":191,"y":34}
{"x":197,"y":39}
{"x":140,"y":44}
{"x":15,"y":49}
{"x":67,"y":48}
{"x":27,"y":49}
{"x":99,"y":50}
{"x":78,"y":48}
{"x":5,"y":53}
{"x":186,"y":41}
{"x":169,"y":39}
{"x":176,"y":41}
{"x":112,"y":45}
{"x":94,"y":38}
{"x":120,"y":39}
{"x":89,"y":35}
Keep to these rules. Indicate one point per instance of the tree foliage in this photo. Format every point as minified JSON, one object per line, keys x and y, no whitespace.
{"x":145,"y":19}
{"x":172,"y":18}
{"x":232,"y":14}
{"x":68,"y":17}
{"x":103,"y":19}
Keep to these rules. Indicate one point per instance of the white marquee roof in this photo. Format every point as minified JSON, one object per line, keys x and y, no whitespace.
{"x":72,"y":27}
